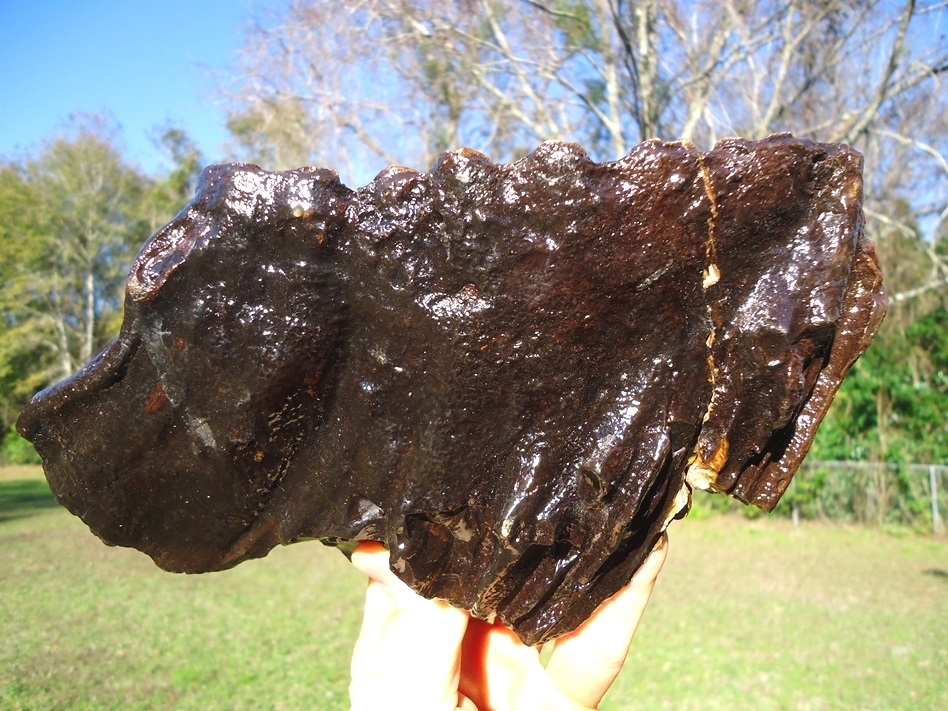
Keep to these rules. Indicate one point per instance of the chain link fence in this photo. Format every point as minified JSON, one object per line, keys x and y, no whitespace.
{"x":870,"y":493}
{"x":867,"y":493}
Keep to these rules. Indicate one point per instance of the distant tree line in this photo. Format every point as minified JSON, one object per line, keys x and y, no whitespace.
{"x":359,"y":84}
{"x":72,"y":218}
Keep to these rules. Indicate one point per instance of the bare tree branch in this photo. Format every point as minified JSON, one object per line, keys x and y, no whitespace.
{"x":883,"y":88}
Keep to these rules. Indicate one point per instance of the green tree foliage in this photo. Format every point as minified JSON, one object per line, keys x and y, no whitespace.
{"x":66,"y":285}
{"x":71,"y":219}
{"x":172,"y":191}
{"x":22,"y":229}
{"x":894,"y":404}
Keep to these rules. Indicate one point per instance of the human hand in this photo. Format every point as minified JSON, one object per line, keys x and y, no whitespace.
{"x":425,"y":655}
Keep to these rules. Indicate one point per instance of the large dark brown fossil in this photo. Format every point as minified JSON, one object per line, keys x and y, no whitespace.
{"x":511,"y":375}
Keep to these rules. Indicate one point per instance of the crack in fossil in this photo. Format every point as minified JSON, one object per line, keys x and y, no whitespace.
{"x":711,"y":273}
{"x":702,"y":473}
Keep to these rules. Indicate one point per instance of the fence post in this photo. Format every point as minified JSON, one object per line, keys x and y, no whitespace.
{"x":933,"y":486}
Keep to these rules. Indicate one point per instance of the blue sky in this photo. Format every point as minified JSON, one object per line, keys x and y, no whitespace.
{"x":144,"y":62}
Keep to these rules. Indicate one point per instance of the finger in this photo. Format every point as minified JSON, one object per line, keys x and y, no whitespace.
{"x":500,"y":673}
{"x":584,"y":663}
{"x":491,"y":665}
{"x":408,"y":651}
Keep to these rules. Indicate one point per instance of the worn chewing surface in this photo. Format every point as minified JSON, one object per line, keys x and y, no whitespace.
{"x":511,"y":375}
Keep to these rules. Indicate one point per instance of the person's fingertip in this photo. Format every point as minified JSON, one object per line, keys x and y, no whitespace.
{"x":653,"y":564}
{"x":371,"y":558}
{"x":369,"y":547}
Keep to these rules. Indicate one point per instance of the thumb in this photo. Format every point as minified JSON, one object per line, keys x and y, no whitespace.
{"x":407,"y":655}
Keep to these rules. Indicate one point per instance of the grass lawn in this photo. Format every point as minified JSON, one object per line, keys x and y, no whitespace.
{"x":747,"y":615}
